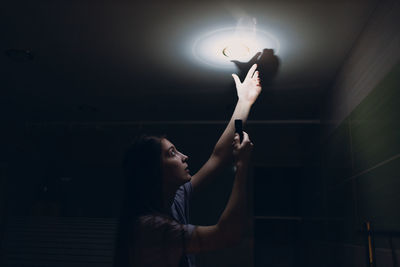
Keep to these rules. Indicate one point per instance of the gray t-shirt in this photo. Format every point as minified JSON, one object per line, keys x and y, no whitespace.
{"x":180,"y":212}
{"x":161,"y":241}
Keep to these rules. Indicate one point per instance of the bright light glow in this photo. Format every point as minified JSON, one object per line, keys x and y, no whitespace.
{"x":217,"y":48}
{"x":236,"y":50}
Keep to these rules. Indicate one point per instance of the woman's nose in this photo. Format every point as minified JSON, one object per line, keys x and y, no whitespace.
{"x":184,"y":157}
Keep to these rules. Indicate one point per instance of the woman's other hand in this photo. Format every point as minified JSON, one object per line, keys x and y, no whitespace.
{"x":250,"y":88}
{"x":242,"y":151}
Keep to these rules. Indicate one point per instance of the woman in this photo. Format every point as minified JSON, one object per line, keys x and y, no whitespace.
{"x":154,"y":229}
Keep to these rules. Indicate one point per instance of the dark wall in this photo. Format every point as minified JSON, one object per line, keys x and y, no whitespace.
{"x":359,"y":157}
{"x":359,"y":154}
{"x":360,"y":174}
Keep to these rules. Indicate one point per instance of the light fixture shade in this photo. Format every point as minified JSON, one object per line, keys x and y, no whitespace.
{"x":219,"y":47}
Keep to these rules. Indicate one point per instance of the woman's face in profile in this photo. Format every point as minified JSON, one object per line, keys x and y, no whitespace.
{"x":174,"y":164}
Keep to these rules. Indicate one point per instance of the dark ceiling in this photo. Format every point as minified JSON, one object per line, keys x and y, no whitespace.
{"x":128,"y":61}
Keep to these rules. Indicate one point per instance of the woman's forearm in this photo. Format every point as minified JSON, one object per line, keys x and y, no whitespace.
{"x":223,"y":148}
{"x":233,"y":219}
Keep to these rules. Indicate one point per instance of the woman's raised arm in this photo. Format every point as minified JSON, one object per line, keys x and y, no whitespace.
{"x":247,"y":92}
{"x":232,"y":223}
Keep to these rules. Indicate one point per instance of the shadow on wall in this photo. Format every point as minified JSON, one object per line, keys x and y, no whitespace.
{"x":268,"y":65}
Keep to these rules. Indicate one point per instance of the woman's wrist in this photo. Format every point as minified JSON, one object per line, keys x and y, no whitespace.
{"x":245,"y":104}
{"x":242,"y":164}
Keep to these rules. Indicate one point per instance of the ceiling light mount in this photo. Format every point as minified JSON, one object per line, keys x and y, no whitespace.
{"x":219,"y":47}
{"x":236,"y":50}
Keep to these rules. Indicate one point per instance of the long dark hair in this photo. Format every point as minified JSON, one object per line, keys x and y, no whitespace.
{"x":142,"y":191}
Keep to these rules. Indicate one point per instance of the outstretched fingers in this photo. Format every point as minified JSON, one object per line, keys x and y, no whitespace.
{"x":236,"y":79}
{"x":251,"y":71}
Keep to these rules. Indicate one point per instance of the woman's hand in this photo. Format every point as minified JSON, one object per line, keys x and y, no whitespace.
{"x":249,"y":90}
{"x":242,"y":151}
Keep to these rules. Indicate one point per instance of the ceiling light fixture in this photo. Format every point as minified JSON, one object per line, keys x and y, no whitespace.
{"x":219,"y":47}
{"x":236,"y":50}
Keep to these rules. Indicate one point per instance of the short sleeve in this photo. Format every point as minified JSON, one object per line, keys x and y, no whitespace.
{"x":189,"y":189}
{"x":160,"y":241}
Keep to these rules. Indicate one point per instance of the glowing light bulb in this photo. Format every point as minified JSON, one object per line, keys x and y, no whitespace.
{"x":236,"y":51}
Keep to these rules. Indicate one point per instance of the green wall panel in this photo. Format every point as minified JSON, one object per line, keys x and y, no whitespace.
{"x":361,"y":167}
{"x":375,"y":124}
{"x":379,"y":196}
